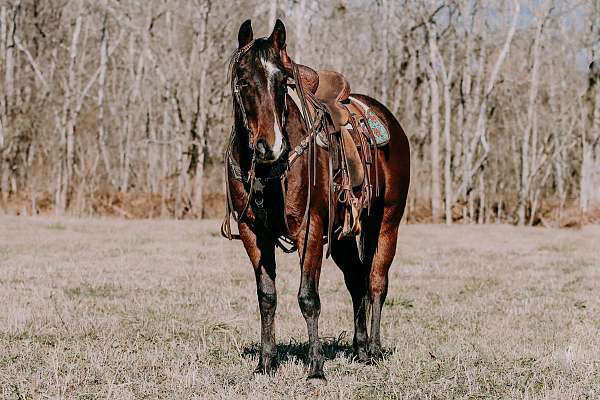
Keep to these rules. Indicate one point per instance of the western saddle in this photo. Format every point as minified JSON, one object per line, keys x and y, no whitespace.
{"x":345,"y":134}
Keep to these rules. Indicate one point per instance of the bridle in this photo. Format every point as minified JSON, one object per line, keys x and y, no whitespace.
{"x":279,"y":171}
{"x":237,"y":96}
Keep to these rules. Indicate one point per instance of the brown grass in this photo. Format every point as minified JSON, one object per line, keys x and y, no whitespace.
{"x":164,"y":309}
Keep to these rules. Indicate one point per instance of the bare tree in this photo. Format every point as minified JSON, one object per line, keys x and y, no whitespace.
{"x":528,"y":159}
{"x":436,"y":196}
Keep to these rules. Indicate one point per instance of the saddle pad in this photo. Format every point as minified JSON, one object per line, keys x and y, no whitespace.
{"x":382,"y":136}
{"x":380,"y":132}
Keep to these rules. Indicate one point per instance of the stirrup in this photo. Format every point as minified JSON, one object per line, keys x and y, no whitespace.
{"x":351,"y":226}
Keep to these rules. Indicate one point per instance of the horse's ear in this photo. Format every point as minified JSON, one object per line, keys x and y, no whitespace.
{"x":245,"y":35}
{"x":278,"y":35}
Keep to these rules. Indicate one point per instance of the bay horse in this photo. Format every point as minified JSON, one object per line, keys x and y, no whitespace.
{"x":271,"y":197}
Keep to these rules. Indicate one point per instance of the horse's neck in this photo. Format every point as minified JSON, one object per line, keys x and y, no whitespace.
{"x":297,"y":177}
{"x":297,"y":131}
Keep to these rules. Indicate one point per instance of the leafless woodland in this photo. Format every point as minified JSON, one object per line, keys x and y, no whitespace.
{"x":122,"y":107}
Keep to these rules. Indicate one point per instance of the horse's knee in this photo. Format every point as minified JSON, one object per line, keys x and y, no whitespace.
{"x":378,"y":287}
{"x":309,"y":302}
{"x":267,"y":300}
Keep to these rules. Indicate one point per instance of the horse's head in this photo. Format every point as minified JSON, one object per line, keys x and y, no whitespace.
{"x":259,"y":85}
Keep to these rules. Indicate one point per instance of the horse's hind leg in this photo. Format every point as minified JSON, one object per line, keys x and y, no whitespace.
{"x":345,"y":255}
{"x":262,"y":256}
{"x":378,"y":281}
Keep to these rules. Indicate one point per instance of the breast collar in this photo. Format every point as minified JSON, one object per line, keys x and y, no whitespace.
{"x":275,"y":172}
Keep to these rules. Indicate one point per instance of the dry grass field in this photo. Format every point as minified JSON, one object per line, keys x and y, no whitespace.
{"x":117,"y":309}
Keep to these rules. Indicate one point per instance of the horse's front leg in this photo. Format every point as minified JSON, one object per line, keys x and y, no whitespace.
{"x":262,"y":256}
{"x":308,"y":294}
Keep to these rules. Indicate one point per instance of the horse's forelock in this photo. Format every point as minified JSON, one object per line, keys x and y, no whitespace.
{"x":261,"y":49}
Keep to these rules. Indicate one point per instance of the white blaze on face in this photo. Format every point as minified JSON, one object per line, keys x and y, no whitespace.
{"x":271,"y":69}
{"x":278,"y":145}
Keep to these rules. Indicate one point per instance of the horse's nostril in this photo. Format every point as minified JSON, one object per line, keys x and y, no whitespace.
{"x":261,"y":146}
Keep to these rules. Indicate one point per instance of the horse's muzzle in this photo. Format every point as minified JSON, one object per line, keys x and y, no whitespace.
{"x":265,"y":153}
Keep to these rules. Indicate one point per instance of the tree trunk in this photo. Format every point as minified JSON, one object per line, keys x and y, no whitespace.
{"x":385,"y":8}
{"x":9,"y":61}
{"x":526,"y":155}
{"x":102,"y":131}
{"x":68,"y":123}
{"x":447,"y":80}
{"x":301,"y":19}
{"x":436,"y":196}
{"x":589,"y":194}
{"x":272,"y":13}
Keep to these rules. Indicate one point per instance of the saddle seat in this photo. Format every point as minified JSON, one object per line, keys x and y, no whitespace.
{"x":333,"y":90}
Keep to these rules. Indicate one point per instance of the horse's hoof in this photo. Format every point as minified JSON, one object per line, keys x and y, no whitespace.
{"x":316,"y":379}
{"x":361,"y":356}
{"x":264,"y":368}
{"x":260,"y":369}
{"x":375,"y":354}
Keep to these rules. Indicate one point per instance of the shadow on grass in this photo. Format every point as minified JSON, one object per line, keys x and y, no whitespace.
{"x":332,"y":348}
